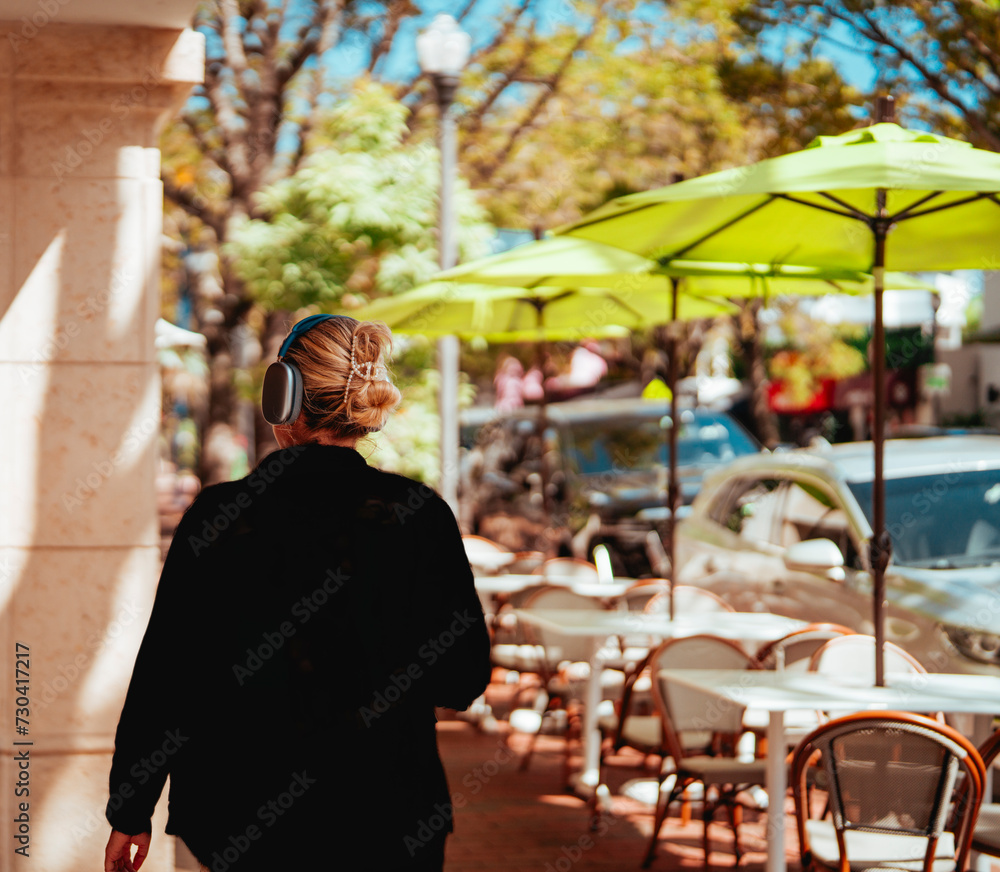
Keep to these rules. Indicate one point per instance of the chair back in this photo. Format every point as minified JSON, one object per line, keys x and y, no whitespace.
{"x":475,"y":545}
{"x":525,"y":562}
{"x":854,"y":655}
{"x":559,"y":647}
{"x":688,"y":600}
{"x":639,"y":594}
{"x":989,"y":749}
{"x":986,"y":834}
{"x":635,"y":599}
{"x":794,"y":650}
{"x":568,"y":567}
{"x":890,"y":773}
{"x":685,"y":709}
{"x":485,"y":555}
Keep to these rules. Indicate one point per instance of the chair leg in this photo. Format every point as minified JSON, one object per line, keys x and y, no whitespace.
{"x":543,"y":705}
{"x":662,"y":805}
{"x":574,"y":733}
{"x":595,"y":800}
{"x":735,"y":819}
{"x":706,"y":819}
{"x":526,"y":758}
{"x":685,"y":811}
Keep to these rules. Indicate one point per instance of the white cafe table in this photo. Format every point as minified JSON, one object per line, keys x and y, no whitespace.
{"x":598,"y":626}
{"x":782,"y":691}
{"x":506,"y":584}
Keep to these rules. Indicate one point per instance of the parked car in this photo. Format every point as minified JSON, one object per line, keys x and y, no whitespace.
{"x":605,"y":461}
{"x":788,"y":533}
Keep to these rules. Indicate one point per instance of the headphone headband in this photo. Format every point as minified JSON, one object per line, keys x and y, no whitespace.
{"x":303,"y":326}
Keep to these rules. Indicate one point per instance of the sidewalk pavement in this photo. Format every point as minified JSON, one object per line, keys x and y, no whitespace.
{"x":507,"y":820}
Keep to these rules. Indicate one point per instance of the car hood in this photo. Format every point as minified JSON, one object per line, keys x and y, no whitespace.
{"x":639,"y":489}
{"x":964,"y":597}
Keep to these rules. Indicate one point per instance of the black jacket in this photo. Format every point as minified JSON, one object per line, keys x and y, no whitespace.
{"x":308,"y":619}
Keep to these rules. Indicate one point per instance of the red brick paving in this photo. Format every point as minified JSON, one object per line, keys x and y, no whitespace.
{"x":512,"y":821}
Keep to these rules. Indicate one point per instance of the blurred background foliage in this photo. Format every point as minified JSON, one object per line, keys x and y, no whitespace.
{"x":302,"y":175}
{"x":357,"y":219}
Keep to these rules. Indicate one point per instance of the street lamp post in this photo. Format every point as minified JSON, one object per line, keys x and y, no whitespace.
{"x":443,"y":50}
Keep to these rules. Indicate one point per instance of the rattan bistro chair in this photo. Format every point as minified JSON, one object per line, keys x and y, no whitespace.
{"x":688,"y":600}
{"x":633,"y":722}
{"x":686,"y":712}
{"x":562,"y":664}
{"x":854,"y":655}
{"x":986,"y":835}
{"x":891,"y":778}
{"x":794,"y":650}
{"x":484,"y":554}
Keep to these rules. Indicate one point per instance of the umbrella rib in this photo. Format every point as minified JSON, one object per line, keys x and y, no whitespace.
{"x":851,"y":213}
{"x":665,"y":260}
{"x":857,"y":213}
{"x":635,"y":313}
{"x":905,"y":213}
{"x":987,"y":196}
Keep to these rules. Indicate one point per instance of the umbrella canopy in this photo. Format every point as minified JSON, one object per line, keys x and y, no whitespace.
{"x":500,"y":313}
{"x":870,"y":199}
{"x":570,"y":261}
{"x":819,"y":207}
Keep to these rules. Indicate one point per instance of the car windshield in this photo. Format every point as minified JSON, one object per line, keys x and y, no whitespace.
{"x":941,"y":521}
{"x":606,"y":446}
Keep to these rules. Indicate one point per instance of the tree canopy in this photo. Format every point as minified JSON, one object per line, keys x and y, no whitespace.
{"x":357,"y":218}
{"x":941,"y":59}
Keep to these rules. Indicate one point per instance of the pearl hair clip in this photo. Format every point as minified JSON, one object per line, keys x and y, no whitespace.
{"x":365,"y":373}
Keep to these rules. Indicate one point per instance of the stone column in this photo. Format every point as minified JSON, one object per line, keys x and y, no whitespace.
{"x":80,"y":226}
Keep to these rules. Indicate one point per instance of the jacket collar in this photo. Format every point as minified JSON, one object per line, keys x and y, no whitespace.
{"x":298,"y":462}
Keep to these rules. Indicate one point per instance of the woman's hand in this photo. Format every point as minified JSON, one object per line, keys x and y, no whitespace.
{"x":118,"y":853}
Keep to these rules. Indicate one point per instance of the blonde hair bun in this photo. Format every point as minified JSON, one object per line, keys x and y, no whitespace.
{"x":345,"y":380}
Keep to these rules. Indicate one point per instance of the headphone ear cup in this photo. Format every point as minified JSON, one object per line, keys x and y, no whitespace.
{"x":297,"y":394}
{"x":281,"y":397}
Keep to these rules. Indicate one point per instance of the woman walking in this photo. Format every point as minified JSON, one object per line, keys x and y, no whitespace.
{"x":308,"y":620}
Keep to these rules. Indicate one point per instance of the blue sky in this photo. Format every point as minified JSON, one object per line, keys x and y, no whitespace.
{"x":854,"y":64}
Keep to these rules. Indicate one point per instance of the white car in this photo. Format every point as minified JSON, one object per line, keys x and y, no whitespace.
{"x":788,"y":533}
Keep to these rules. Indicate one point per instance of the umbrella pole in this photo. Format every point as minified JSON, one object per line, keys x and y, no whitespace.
{"x":541,"y":352}
{"x":672,"y":489}
{"x":880,"y":549}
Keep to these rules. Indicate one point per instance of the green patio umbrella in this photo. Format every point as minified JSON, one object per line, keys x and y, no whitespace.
{"x":509,"y":314}
{"x":565,"y":261}
{"x":569,"y":261}
{"x":877,"y":198}
{"x":506,"y":313}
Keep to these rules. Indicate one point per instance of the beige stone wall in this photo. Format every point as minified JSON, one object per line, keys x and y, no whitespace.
{"x":80,"y":226}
